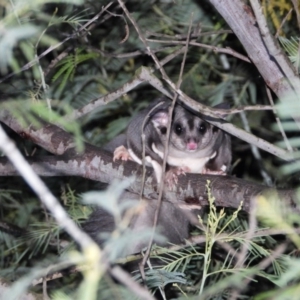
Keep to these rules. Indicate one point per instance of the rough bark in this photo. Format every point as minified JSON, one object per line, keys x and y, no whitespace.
{"x":97,"y":164}
{"x":273,"y":66}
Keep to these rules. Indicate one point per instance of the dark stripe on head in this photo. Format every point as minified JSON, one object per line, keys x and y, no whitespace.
{"x":191,"y":123}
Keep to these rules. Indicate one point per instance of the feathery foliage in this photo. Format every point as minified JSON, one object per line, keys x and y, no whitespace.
{"x":53,"y":62}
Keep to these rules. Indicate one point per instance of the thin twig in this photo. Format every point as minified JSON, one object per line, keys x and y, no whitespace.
{"x":129,"y":54}
{"x":213,"y":48}
{"x":283,"y":21}
{"x":125,"y":278}
{"x":166,"y":151}
{"x":126,"y":25}
{"x":296,"y":8}
{"x":250,"y":233}
{"x":142,"y":75}
{"x":184,"y":37}
{"x":255,"y":151}
{"x":286,"y":141}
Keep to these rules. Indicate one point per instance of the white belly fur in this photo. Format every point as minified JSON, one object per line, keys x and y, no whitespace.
{"x":195,"y":164}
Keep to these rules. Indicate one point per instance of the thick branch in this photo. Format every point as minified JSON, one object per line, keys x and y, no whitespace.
{"x":96,"y":164}
{"x":48,"y":136}
{"x":271,"y":66}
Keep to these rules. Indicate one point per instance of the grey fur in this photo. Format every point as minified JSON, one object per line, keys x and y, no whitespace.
{"x":173,"y":224}
{"x":212,"y":145}
{"x":116,"y":142}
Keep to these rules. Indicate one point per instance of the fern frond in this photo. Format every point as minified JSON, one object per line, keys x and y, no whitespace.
{"x":291,"y":46}
{"x":68,"y":65}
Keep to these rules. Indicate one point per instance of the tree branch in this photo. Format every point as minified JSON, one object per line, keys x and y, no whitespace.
{"x":260,"y":46}
{"x":96,"y":164}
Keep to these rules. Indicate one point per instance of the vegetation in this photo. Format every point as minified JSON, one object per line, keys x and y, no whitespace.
{"x":58,"y":60}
